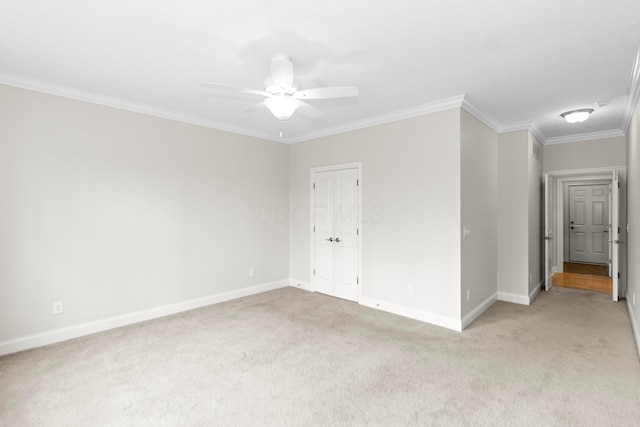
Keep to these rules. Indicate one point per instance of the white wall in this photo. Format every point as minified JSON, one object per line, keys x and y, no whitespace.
{"x":114,"y":212}
{"x":479,"y":162}
{"x":633,"y":218}
{"x":513,"y":214}
{"x":599,"y":153}
{"x":411,"y":211}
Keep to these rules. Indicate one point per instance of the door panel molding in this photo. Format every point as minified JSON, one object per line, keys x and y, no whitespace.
{"x":347,"y":273}
{"x":559,"y":178}
{"x":588,"y":216}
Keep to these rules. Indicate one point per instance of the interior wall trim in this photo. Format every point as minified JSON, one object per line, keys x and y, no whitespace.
{"x":394,"y":116}
{"x":75,"y":331}
{"x":534,"y":293}
{"x":488,"y":120}
{"x":514,"y":298}
{"x":634,"y":94}
{"x":412,"y":313}
{"x":634,"y":324}
{"x":479,"y":310}
{"x":123,"y":104}
{"x":614,"y":133}
{"x":300,"y":284}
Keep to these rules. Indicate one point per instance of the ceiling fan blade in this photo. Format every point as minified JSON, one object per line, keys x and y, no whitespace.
{"x":282,"y":71}
{"x":253,"y":108}
{"x":309,"y":110}
{"x":327,"y":93}
{"x":229,"y":88}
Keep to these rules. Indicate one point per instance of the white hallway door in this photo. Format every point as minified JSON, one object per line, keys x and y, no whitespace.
{"x":589,"y":223}
{"x":336,"y":232}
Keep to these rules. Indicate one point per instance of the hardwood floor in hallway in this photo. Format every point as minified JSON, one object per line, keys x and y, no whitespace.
{"x":583,"y":281}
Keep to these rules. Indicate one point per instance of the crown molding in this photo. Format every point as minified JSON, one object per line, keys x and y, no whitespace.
{"x":515,"y":127}
{"x":461,"y":101}
{"x":535,"y":130}
{"x":499,"y":127}
{"x":613,"y":133}
{"x":123,"y":104}
{"x":488,"y":120}
{"x":394,"y":116}
{"x":634,"y":94}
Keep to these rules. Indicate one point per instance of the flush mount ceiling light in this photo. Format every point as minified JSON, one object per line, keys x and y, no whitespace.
{"x":577,"y":116}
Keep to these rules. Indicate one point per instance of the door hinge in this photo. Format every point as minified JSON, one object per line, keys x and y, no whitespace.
{"x":618,"y":185}
{"x":618,"y":275}
{"x":357,"y":182}
{"x":357,"y":231}
{"x":357,"y":280}
{"x":314,"y":228}
{"x":314,"y":271}
{"x":314,"y":185}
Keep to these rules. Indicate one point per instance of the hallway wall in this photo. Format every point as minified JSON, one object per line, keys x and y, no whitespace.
{"x":598,"y":153}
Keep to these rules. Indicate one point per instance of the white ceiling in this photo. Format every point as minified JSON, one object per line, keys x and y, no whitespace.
{"x":518,"y":64}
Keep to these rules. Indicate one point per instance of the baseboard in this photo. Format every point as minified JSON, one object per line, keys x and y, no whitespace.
{"x":423,"y":316}
{"x":514,"y":298}
{"x":301,"y":285}
{"x":634,"y":325}
{"x":481,"y":308}
{"x":534,"y":293}
{"x":69,"y":332}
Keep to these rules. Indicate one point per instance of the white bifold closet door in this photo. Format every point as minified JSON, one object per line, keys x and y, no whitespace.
{"x":336,"y":230}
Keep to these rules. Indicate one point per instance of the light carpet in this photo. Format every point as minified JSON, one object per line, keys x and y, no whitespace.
{"x":294,"y":358}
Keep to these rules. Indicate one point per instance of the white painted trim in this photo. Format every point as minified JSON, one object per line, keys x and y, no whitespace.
{"x":460,"y":101}
{"x":499,"y":127}
{"x":337,"y":167}
{"x":535,"y":130}
{"x":301,"y":285}
{"x":515,"y":127}
{"x":312,"y":206}
{"x":412,"y":313}
{"x":123,"y":104}
{"x":481,"y":308}
{"x":394,"y":116}
{"x":69,"y":332}
{"x":562,"y":176}
{"x":488,"y":120}
{"x":634,"y":325}
{"x":580,"y":137}
{"x":634,"y":94}
{"x":593,"y":173}
{"x":513,"y":298}
{"x":534,"y":293}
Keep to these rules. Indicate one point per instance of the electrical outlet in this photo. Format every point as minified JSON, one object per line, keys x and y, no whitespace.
{"x":468,"y":294}
{"x":252,"y":272}
{"x":58,"y":307}
{"x":410,"y":290}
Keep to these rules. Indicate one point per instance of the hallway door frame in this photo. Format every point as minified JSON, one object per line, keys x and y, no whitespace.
{"x":576,"y":175}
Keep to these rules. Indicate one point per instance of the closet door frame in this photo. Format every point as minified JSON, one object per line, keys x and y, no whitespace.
{"x":312,"y":217}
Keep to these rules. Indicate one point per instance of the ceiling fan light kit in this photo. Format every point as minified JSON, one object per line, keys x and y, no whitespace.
{"x":281,"y":106}
{"x":577,"y":116}
{"x":283,"y":94}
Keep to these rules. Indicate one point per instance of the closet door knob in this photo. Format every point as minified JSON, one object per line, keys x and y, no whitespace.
{"x":337,"y":240}
{"x":330,"y":239}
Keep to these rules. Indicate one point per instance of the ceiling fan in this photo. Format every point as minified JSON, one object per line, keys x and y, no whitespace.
{"x":283,"y":94}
